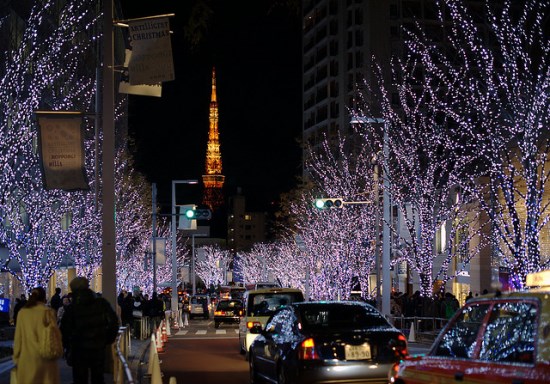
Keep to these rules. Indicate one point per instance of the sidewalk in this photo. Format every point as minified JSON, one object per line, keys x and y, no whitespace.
{"x":137,"y":363}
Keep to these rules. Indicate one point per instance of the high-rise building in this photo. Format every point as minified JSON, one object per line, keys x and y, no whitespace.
{"x":339,"y":40}
{"x":244,"y":228}
{"x":213,"y":179}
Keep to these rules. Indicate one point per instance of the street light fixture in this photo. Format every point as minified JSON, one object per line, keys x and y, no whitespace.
{"x":174,"y":299}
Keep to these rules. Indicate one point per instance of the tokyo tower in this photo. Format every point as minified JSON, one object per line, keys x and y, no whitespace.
{"x":213,"y":179}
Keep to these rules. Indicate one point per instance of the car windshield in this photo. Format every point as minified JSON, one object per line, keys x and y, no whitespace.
{"x":321,"y":316}
{"x":265,"y":304}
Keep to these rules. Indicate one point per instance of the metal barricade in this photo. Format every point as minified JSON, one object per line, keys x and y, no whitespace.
{"x":121,"y":348}
{"x":142,"y":327}
{"x":425,"y":329}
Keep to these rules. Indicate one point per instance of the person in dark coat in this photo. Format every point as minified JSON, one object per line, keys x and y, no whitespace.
{"x":127,"y":309}
{"x":19,"y":303}
{"x":156,"y":311}
{"x":55,"y":301}
{"x":89,"y":325}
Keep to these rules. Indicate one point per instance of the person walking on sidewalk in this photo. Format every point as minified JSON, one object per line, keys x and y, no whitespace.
{"x":55,"y":301}
{"x":30,"y":366}
{"x":89,"y":325}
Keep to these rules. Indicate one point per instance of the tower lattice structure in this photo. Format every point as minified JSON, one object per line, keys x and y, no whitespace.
{"x":213,"y":179}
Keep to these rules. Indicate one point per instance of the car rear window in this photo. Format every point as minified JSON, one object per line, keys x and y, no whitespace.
{"x":265,"y":304}
{"x":229,"y":304}
{"x":340,"y":316}
{"x":198,"y":300}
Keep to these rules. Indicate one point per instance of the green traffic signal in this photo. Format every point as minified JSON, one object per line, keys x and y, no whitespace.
{"x":190,"y":213}
{"x":198,"y":214}
{"x":325,"y":203}
{"x":320,"y":203}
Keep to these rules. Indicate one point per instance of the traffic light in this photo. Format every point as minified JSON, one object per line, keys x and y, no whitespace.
{"x":198,"y":214}
{"x":186,"y":220}
{"x":332,"y":202}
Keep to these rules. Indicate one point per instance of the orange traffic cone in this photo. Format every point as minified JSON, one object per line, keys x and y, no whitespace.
{"x":160,"y":344}
{"x":164,"y":334}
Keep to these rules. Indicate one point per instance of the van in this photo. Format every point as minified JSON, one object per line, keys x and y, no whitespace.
{"x":199,"y":305}
{"x":259,"y":305}
{"x":262,"y":284}
{"x":237,"y":293}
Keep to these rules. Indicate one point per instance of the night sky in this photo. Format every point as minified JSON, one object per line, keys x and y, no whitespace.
{"x":257,"y":54}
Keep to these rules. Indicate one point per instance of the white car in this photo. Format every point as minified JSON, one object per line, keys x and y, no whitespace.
{"x":199,"y":306}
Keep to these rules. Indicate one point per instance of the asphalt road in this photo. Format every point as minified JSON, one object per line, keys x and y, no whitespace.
{"x":201,"y":354}
{"x":204,"y":360}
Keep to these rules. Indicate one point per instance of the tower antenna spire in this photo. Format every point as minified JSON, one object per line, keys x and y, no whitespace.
{"x":213,"y":179}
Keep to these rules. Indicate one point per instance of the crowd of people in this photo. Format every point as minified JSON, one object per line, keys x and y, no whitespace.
{"x":442,"y":306}
{"x":134,"y":306}
{"x":87,"y":325}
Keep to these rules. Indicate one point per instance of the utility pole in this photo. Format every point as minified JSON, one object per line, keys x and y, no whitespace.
{"x":154,"y":230}
{"x":108,"y":256}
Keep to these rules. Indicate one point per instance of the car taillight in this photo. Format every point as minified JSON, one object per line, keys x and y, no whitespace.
{"x":392,"y":375}
{"x":252,"y":324}
{"x":219,"y":313}
{"x":307,"y":350}
{"x":400,"y":348}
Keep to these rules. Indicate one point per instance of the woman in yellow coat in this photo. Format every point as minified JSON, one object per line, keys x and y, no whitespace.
{"x":30,"y":366}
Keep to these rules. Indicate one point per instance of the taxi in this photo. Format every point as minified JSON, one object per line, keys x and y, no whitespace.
{"x":259,"y":305}
{"x":495,"y":338}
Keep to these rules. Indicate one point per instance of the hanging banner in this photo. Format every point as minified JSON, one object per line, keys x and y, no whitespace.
{"x":151,"y":61}
{"x":141,"y":89}
{"x":160,"y":249}
{"x":61,"y":150}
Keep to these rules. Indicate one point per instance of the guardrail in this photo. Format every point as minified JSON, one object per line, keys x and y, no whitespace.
{"x":423,"y":329}
{"x":121,"y":348}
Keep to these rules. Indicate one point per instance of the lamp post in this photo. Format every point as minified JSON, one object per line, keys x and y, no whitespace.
{"x":174,"y":299}
{"x":386,"y":258}
{"x":154,"y":230}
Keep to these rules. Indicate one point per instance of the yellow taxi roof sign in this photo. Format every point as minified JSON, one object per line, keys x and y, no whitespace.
{"x":538,"y":279}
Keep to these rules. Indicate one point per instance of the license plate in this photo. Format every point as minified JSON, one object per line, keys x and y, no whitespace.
{"x":357,"y":352}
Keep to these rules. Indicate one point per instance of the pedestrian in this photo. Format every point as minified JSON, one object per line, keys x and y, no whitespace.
{"x":156,"y":311}
{"x":55,"y":301}
{"x":66,"y":300}
{"x":30,"y":366}
{"x":451,"y":305}
{"x":19,"y":303}
{"x":127,"y":310}
{"x":89,"y":326}
{"x":137,"y":314}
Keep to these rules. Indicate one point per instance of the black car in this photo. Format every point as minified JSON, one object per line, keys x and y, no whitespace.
{"x":228,"y":311}
{"x":318,"y":342}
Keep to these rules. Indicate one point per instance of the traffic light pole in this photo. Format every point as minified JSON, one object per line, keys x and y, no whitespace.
{"x":174,"y":296}
{"x":386,"y":238}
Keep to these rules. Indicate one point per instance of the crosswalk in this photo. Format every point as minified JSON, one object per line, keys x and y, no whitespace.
{"x":206,"y":332}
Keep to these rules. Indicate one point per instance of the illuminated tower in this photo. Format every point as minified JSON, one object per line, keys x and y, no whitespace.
{"x":213,"y":179}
